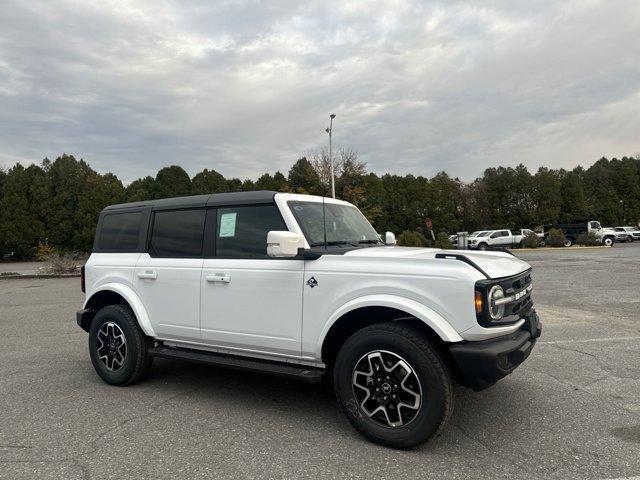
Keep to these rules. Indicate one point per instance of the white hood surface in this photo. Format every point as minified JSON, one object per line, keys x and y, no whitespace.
{"x":495,"y":264}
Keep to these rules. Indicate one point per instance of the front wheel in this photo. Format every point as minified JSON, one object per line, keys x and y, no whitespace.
{"x":568,"y":242}
{"x":608,"y":242}
{"x":393,"y":386}
{"x":117,"y":346}
{"x":483,"y":246}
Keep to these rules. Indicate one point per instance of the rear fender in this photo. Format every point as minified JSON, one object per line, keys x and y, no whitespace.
{"x":132,"y":299}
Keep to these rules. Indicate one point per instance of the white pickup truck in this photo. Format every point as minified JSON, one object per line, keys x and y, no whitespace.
{"x":302,"y":287}
{"x":497,"y":238}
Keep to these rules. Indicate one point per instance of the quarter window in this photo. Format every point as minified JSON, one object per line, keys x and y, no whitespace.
{"x":120,"y":232}
{"x":241,"y":232}
{"x":177,"y":234}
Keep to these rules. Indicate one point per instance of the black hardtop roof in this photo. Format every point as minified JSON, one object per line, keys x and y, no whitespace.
{"x":195,"y":201}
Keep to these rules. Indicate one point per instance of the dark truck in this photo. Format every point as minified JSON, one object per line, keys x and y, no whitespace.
{"x":571,"y":230}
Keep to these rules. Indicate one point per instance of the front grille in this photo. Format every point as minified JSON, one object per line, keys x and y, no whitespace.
{"x":511,"y":285}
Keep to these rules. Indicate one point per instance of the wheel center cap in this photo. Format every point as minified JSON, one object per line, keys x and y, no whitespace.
{"x":386,"y":388}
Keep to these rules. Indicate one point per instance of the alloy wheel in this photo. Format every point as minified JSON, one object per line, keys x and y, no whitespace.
{"x":387,"y":388}
{"x":111,"y":346}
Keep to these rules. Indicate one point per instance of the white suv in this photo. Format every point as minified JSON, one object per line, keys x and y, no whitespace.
{"x":303,"y":287}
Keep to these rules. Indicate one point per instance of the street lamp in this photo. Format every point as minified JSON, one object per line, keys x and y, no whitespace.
{"x":329,"y":130}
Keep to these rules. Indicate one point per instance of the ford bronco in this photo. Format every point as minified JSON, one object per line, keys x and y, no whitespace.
{"x":303,"y":287}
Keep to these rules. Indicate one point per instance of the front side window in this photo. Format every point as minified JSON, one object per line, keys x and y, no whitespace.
{"x":344,"y":224}
{"x":177,"y":234}
{"x":120,"y":232}
{"x":241,"y":232}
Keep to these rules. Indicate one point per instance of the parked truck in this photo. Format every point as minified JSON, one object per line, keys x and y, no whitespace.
{"x":571,"y":230}
{"x":497,"y":238}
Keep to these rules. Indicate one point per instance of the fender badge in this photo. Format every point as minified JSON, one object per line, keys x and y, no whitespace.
{"x":312,"y":282}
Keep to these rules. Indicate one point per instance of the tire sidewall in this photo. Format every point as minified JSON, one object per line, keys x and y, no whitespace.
{"x":116,"y":315}
{"x":433,"y":389}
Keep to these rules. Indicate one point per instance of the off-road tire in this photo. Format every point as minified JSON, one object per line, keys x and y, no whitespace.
{"x":430,"y":369}
{"x":136,"y":361}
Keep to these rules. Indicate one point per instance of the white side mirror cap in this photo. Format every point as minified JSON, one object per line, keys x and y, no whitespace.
{"x":389,"y":238}
{"x":284,"y":244}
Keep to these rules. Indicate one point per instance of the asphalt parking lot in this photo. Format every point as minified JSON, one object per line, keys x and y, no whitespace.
{"x":571,"y":411}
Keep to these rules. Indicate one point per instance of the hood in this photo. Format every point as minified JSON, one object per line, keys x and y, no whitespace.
{"x":495,"y":264}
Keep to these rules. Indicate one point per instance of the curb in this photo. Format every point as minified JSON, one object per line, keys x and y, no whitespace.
{"x":44,"y":275}
{"x":539,"y":249}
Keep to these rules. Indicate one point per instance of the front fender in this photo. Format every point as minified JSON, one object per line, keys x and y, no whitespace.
{"x":132,"y":299}
{"x":430,"y":317}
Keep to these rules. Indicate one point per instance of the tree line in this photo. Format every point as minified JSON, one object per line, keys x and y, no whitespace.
{"x":57,"y":203}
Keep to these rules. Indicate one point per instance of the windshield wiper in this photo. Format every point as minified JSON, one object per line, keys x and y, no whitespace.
{"x":370,"y":242}
{"x":333,"y":243}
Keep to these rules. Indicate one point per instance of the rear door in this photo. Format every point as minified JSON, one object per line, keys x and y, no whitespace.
{"x":167,"y":275}
{"x":250,"y":302}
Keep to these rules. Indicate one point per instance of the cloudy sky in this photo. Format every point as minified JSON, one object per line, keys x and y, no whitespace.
{"x":246,"y":87}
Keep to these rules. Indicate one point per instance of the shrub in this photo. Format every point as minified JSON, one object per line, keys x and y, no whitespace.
{"x":555,"y":238}
{"x":410,"y":238}
{"x":43,"y":250}
{"x":587,"y":239}
{"x":442,"y":241}
{"x":64,"y":263}
{"x":531,"y":240}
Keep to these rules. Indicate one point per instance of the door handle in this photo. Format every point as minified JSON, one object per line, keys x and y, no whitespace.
{"x":218,"y":278}
{"x":148,"y":275}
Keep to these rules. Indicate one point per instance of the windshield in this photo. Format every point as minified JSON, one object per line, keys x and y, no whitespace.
{"x":345,"y":224}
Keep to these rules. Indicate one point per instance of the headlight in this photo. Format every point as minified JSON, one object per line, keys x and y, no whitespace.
{"x":495,"y":311}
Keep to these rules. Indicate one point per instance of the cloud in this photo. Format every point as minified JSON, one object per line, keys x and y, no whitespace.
{"x":246,"y":87}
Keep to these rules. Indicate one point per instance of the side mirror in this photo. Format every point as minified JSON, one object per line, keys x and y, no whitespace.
{"x":389,"y":238}
{"x":284,"y":244}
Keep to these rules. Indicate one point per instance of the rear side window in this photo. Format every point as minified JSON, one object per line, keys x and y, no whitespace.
{"x":241,"y":232}
{"x":120,"y":232}
{"x":177,"y":234}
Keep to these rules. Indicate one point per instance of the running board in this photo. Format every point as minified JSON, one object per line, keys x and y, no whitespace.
{"x":297,"y":372}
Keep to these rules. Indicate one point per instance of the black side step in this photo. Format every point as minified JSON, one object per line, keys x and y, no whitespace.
{"x":297,"y":372}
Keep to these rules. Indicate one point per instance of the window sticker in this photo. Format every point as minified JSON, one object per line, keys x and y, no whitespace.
{"x":228,"y":225}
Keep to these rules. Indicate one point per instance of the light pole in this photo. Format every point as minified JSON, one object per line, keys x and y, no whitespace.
{"x":329,"y":130}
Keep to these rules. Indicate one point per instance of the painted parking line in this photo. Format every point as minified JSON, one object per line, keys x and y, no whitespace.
{"x":593,"y":340}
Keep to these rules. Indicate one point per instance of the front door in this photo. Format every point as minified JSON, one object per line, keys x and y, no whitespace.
{"x":250,"y":302}
{"x":167,"y":277}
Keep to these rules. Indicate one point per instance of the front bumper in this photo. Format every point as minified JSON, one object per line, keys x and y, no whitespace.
{"x":485,"y":362}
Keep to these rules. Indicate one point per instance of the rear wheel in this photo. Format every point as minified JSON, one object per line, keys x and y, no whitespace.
{"x":392,"y":385}
{"x":568,"y":242}
{"x":630,"y":238}
{"x":117,"y":346}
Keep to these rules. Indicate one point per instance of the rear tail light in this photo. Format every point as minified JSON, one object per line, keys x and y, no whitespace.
{"x":82,"y":284}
